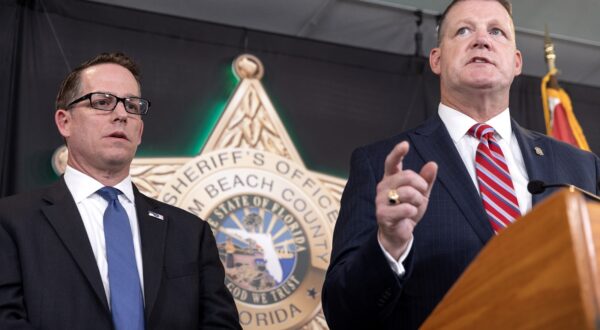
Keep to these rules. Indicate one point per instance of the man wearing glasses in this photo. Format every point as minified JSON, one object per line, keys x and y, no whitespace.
{"x":92,"y":252}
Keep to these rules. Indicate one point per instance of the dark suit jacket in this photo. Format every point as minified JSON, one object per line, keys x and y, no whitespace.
{"x":361,"y":291}
{"x":49,"y":278}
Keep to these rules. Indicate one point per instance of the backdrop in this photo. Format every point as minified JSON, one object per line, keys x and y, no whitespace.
{"x":331,"y":98}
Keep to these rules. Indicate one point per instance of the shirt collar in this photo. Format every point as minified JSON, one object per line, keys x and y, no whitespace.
{"x":83,"y":186}
{"x":458,"y":123}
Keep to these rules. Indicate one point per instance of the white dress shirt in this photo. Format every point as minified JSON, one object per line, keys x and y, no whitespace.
{"x":91,"y":207}
{"x":458,"y":125}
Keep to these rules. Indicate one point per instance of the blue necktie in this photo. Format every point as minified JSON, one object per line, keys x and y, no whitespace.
{"x":126,"y":302}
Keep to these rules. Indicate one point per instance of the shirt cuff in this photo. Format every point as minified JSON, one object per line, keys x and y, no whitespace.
{"x":397,"y":265}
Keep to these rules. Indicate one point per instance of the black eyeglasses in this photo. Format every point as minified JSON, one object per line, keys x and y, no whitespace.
{"x":108,"y":102}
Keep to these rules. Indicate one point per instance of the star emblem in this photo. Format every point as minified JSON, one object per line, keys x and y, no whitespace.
{"x":248,"y":142}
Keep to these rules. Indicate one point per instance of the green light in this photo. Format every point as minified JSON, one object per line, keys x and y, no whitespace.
{"x":207,"y":125}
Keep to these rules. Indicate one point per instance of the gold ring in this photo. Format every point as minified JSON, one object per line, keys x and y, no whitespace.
{"x":393,"y":197}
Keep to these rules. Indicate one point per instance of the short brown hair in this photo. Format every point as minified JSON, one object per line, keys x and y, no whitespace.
{"x":70,"y":86}
{"x":505,"y":3}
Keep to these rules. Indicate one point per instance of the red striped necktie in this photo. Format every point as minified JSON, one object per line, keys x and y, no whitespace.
{"x":495,"y":183}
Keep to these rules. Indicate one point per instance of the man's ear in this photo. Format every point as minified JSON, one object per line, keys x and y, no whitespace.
{"x":62,"y":118}
{"x":434,"y":60}
{"x":518,"y":63}
{"x":141,"y":132}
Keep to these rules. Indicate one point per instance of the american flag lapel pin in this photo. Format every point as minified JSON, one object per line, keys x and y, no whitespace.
{"x":156,"y":215}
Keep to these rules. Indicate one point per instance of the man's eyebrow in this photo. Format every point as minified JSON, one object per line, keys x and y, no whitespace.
{"x":494,"y":22}
{"x":460,"y":23}
{"x":113,"y":93}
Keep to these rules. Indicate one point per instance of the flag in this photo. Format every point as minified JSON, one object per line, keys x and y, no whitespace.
{"x":561,"y":123}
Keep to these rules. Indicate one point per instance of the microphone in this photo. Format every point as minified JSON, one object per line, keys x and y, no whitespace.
{"x":537,"y":187}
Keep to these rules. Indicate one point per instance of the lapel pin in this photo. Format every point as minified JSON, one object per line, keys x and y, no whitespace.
{"x":156,"y":215}
{"x":539,"y":151}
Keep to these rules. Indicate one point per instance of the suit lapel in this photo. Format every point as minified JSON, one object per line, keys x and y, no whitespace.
{"x":153,"y":235}
{"x":64,"y":217}
{"x":433,"y":143}
{"x":538,"y":158}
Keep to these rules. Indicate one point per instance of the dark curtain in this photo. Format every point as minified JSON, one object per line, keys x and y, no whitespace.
{"x":11,"y":19}
{"x":331,"y":98}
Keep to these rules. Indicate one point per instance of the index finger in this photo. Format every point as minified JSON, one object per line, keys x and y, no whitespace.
{"x":393,"y":161}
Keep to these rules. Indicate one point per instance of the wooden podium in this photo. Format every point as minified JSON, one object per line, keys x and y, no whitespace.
{"x":542,"y":272}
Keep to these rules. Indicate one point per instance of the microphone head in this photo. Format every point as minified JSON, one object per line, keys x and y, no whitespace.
{"x":536,"y":187}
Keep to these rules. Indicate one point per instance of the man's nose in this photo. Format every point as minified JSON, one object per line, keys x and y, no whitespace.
{"x":119,"y":111}
{"x":482,"y":39}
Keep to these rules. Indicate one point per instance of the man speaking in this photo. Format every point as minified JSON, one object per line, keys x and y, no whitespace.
{"x":419,"y":206}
